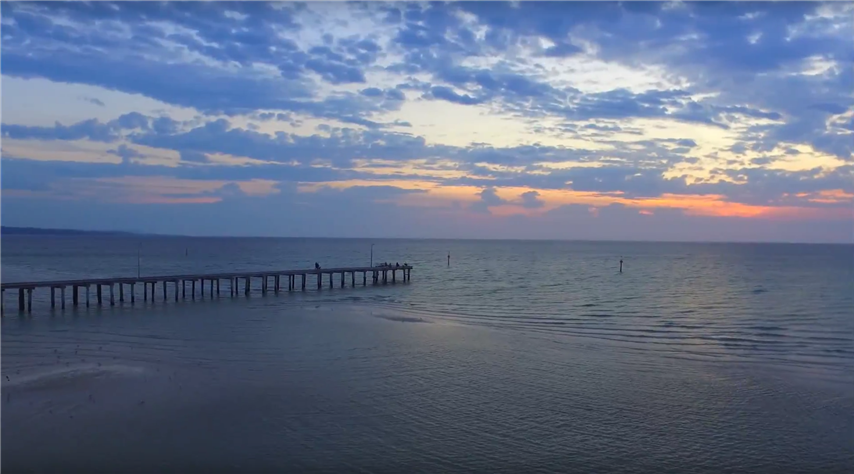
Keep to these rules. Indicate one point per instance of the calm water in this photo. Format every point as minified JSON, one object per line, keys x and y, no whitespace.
{"x":520,"y":356}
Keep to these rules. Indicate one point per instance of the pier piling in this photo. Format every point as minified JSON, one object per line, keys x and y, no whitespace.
{"x":25,"y":289}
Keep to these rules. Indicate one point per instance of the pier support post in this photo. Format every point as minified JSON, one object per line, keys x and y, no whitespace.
{"x":211,"y":292}
{"x":394,"y":276}
{"x":263,"y":284}
{"x":276,"y":283}
{"x":176,"y":291}
{"x":247,"y":285}
{"x":112,"y":299}
{"x":132,"y":293}
{"x":202,"y":288}
{"x":98,"y":293}
{"x":87,"y":296}
{"x":232,"y":283}
{"x":193,"y":289}
{"x":319,"y":280}
{"x":353,"y":279}
{"x":330,"y":280}
{"x":165,"y":297}
{"x":153,"y":290}
{"x":184,"y":289}
{"x":342,"y":279}
{"x":21,"y":303}
{"x":121,"y":292}
{"x":29,"y":300}
{"x":217,"y":287}
{"x":62,"y":295}
{"x":145,"y":291}
{"x":364,"y":278}
{"x":52,"y":299}
{"x":303,"y":281}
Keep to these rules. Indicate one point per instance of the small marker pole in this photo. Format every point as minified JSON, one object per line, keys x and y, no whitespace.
{"x":621,"y":264}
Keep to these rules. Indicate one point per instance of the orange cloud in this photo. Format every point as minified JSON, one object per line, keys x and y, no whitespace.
{"x":712,"y":205}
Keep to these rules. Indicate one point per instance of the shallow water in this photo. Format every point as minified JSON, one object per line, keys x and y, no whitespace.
{"x":522,"y":356}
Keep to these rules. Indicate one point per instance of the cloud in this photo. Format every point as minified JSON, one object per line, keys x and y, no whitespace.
{"x":488,"y":198}
{"x":93,"y":100}
{"x":531,"y":200}
{"x":745,"y":105}
{"x":126,"y":153}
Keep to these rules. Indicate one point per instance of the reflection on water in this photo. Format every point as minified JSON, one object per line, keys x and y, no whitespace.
{"x":536,"y":357}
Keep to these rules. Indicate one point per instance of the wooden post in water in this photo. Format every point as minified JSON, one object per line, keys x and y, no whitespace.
{"x":212,"y":284}
{"x":364,"y":278}
{"x":319,"y":280}
{"x":29,"y":300}
{"x":353,"y":279}
{"x":52,"y":300}
{"x":202,"y":288}
{"x":98,"y":293}
{"x":153,"y":290}
{"x":87,"y":296}
{"x":303,"y":281}
{"x":330,"y":280}
{"x":21,"y":304}
{"x":121,"y":292}
{"x":248,"y":284}
{"x":165,"y":297}
{"x":217,"y":287}
{"x":62,"y":295}
{"x":132,"y":293}
{"x":112,"y":299}
{"x":342,"y":279}
{"x":193,"y":289}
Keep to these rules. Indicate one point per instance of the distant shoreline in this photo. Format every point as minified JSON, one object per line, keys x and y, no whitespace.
{"x":6,"y":230}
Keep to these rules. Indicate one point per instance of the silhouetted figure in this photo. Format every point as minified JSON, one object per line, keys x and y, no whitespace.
{"x":396,"y":264}
{"x":621,"y":264}
{"x":316,"y":266}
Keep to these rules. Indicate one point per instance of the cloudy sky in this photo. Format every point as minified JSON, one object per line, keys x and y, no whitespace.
{"x":648,"y":121}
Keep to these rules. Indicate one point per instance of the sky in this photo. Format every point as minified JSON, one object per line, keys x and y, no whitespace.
{"x":525,"y":120}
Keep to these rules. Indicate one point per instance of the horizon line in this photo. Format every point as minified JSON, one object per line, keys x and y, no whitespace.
{"x":126,"y":233}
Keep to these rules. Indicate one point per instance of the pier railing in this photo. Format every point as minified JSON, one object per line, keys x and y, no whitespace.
{"x":270,"y":281}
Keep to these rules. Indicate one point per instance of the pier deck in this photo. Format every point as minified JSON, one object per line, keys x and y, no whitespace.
{"x":270,"y":281}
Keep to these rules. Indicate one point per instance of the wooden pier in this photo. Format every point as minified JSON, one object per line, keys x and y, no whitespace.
{"x":269,"y":281}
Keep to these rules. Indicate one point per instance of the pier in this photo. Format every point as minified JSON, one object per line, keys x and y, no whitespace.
{"x":175,"y":286}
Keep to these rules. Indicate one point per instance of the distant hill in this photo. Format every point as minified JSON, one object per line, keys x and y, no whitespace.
{"x":6,"y":230}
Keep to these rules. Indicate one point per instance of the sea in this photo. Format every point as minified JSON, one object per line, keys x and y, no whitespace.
{"x":497,"y":357}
